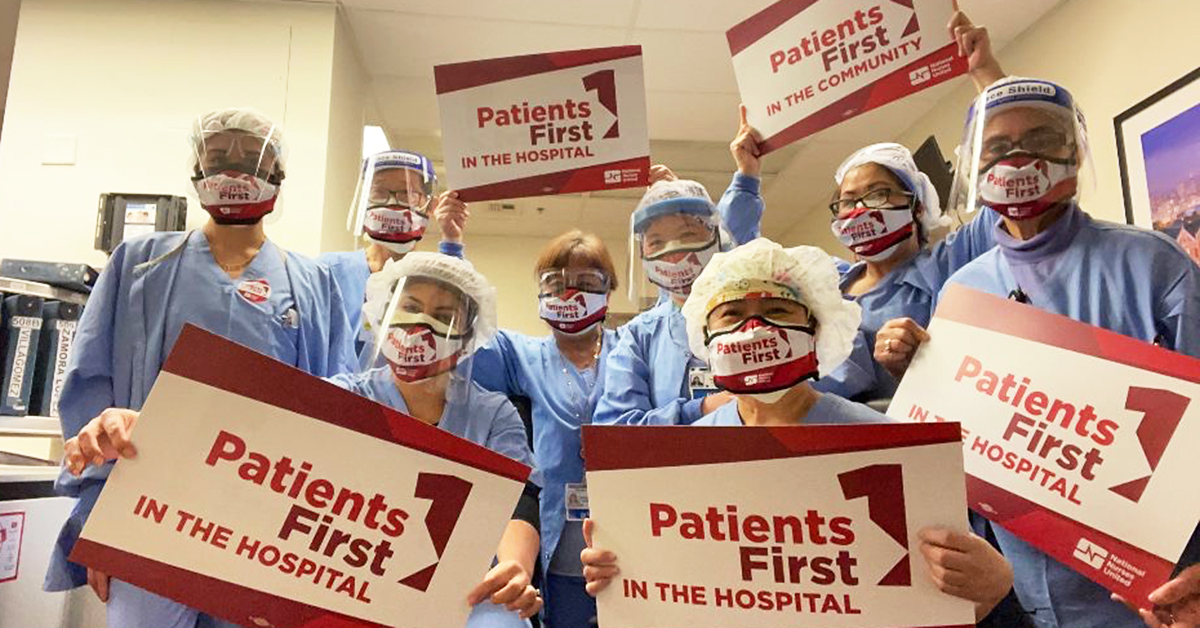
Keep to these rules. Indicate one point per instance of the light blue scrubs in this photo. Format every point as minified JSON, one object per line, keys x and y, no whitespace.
{"x":563,"y":398}
{"x":909,"y":290}
{"x":828,"y":410}
{"x":151,"y":287}
{"x":351,"y":272}
{"x":1133,"y":281}
{"x":480,"y":416}
{"x":645,"y":380}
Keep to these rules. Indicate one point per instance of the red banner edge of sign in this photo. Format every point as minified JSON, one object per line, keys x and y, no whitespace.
{"x":452,"y":77}
{"x":613,"y":448}
{"x":227,"y":600}
{"x":1037,"y":525}
{"x":203,"y":356}
{"x":757,"y":26}
{"x":859,"y":100}
{"x":562,"y":182}
{"x":962,"y":304}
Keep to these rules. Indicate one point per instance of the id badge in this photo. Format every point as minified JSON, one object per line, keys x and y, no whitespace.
{"x":700,"y":382}
{"x":577,"y":502}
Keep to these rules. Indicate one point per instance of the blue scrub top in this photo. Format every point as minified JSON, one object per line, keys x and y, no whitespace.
{"x":828,"y":410}
{"x":636,"y":394}
{"x":563,"y":399}
{"x":483,"y":417}
{"x":151,"y":287}
{"x":908,"y":291}
{"x":1133,"y":281}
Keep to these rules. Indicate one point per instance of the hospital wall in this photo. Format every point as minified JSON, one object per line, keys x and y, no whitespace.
{"x":1109,"y":53}
{"x":122,"y":81}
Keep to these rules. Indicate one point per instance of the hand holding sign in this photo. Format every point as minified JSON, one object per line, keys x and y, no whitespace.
{"x":451,"y":215}
{"x":967,"y":566}
{"x":896,"y":343}
{"x":105,"y":437}
{"x":1176,"y":603}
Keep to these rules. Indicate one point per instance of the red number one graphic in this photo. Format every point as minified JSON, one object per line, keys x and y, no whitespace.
{"x":883,"y":486}
{"x":1162,"y":410}
{"x":604,"y":83}
{"x":449,"y":495}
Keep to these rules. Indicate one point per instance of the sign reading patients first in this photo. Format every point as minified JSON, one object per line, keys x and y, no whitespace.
{"x":804,"y":65}
{"x":780,"y":527}
{"x":544,"y":124}
{"x":1078,"y":440}
{"x":267,"y":497}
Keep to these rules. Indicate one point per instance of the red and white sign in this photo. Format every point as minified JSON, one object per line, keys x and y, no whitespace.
{"x":804,"y":65}
{"x":268,"y":497}
{"x":542,"y":124}
{"x":774,"y":527}
{"x":1077,"y":439}
{"x":255,"y":290}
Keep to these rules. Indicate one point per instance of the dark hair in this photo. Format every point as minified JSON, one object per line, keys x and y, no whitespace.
{"x":576,"y":248}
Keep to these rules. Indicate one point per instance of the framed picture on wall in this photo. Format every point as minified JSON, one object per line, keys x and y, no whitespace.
{"x":1158,"y":149}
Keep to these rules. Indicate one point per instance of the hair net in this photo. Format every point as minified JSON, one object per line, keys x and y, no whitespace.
{"x":242,"y":119}
{"x":445,"y":268}
{"x":673,"y":197}
{"x":899,"y":161}
{"x":806,"y":272}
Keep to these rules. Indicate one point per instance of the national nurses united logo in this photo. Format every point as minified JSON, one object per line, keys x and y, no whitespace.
{"x":255,"y":291}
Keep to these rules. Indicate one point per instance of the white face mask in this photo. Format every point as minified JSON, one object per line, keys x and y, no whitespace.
{"x":419,"y":347}
{"x":687,"y":260}
{"x":874,"y":234}
{"x":235,"y":197}
{"x":573,"y":312}
{"x":1025,"y":185}
{"x":389,"y":225}
{"x":759,"y":356}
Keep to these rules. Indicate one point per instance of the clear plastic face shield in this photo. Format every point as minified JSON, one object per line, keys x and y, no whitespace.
{"x":426,"y":334}
{"x":1023,"y":151}
{"x":670,"y":248}
{"x":573,"y":301}
{"x":761,"y":339}
{"x":394,"y":199}
{"x":237,"y":166}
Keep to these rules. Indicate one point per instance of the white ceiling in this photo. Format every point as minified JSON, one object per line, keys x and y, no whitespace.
{"x":692,"y":96}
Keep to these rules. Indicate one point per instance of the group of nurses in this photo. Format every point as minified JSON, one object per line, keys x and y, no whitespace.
{"x":1050,"y":254}
{"x":761,"y":290}
{"x":227,"y":278}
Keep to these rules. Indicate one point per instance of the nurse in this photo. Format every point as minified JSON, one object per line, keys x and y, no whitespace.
{"x":559,"y":373}
{"x":884,"y":210}
{"x":1024,"y":146}
{"x":390,"y":212}
{"x":674,"y":232}
{"x":227,"y":278}
{"x":761,"y":292}
{"x":433,"y":311}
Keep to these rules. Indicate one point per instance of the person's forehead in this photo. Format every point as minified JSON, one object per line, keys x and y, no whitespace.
{"x":395,"y":176}
{"x":867,"y":176}
{"x":674,"y":223}
{"x":1020,"y":119}
{"x":430,"y":293}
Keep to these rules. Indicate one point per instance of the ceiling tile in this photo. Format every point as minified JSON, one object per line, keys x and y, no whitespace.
{"x":618,"y":13}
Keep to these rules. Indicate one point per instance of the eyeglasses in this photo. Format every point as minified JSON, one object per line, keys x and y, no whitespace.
{"x":413,"y":199}
{"x":560,"y":280}
{"x":1041,"y":141}
{"x":875,"y":199}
